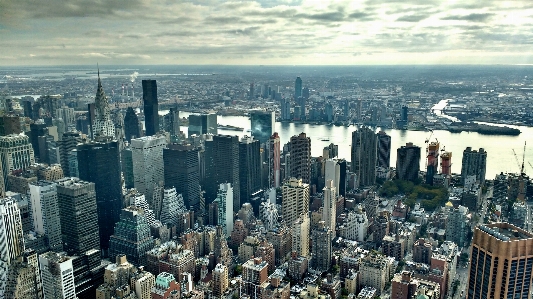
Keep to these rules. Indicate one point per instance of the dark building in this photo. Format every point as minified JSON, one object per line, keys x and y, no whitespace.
{"x":384,"y":147}
{"x":69,"y":142}
{"x":99,"y":163}
{"x":9,"y":124}
{"x":132,"y":125}
{"x":250,"y":167}
{"x":298,"y":88}
{"x":37,"y":130}
{"x":182,"y":171}
{"x":88,"y":273}
{"x":203,"y":124}
{"x":364,"y":156}
{"x":343,"y":167}
{"x":91,"y":117}
{"x":222,"y":166}
{"x":172,"y":124}
{"x":263,"y":123}
{"x":28,"y":110}
{"x":126,"y":163}
{"x":78,"y":214}
{"x":408,"y":162}
{"x":151,"y":107}
{"x":474,"y":163}
{"x":300,"y":158}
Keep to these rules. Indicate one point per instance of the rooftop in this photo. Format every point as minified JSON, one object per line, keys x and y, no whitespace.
{"x":505,"y":232}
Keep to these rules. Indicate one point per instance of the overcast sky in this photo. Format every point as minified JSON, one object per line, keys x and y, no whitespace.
{"x":283,"y":32}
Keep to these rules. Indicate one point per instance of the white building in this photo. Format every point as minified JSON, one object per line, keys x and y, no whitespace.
{"x":11,"y":237}
{"x":376,"y":270}
{"x":329,"y":210}
{"x":16,"y":153}
{"x":147,"y":154}
{"x":300,"y":235}
{"x":172,"y":206}
{"x":355,"y":226}
{"x":135,"y":198}
{"x":57,"y":275}
{"x":332,"y":172}
{"x":45,"y":212}
{"x":295,"y":199}
{"x":102,"y":125}
{"x":225,"y":207}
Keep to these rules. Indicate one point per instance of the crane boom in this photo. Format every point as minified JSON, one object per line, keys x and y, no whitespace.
{"x":516,"y":158}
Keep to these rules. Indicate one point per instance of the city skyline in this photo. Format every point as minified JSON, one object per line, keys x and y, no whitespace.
{"x":266,"y":32}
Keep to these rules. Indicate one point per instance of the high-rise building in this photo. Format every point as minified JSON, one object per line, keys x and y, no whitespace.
{"x":254,"y":274}
{"x":474,"y":163}
{"x":172,"y":124}
{"x":45,"y":213}
{"x":295,"y":199}
{"x":384,"y":148}
{"x":422,"y":251}
{"x":501,"y":262}
{"x":249,"y":167}
{"x":148,"y":171}
{"x":224,"y":202}
{"x":172,"y":207}
{"x":16,"y":153}
{"x":285,"y":109}
{"x":182,"y":171}
{"x":251,"y":92}
{"x":69,"y":142}
{"x":375,"y":271}
{"x":364,"y":156}
{"x":24,"y":278}
{"x":223,"y":167}
{"x":355,"y":225}
{"x":262,"y":124}
{"x":202,"y":124}
{"x":117,"y":279}
{"x":408,"y":162}
{"x":126,"y":165}
{"x":274,"y":162}
{"x":300,"y":157}
{"x":11,"y":233}
{"x":301,"y":234}
{"x":322,"y":250}
{"x":132,"y":236}
{"x":298,"y":88}
{"x":132,"y":126}
{"x":432,"y":161}
{"x":78,"y":214}
{"x":102,"y":124}
{"x":220,"y":280}
{"x":99,"y":163}
{"x":151,"y":107}
{"x":457,"y":225}
{"x":446,"y":163}
{"x":57,"y":274}
{"x":329,"y":211}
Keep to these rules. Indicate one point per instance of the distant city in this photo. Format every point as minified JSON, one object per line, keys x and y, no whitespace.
{"x":152,"y":182}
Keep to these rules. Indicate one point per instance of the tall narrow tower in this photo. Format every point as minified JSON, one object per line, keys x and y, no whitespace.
{"x":300,"y":157}
{"x":329,"y":211}
{"x":151,"y":107}
{"x":364,"y":155}
{"x":103,"y":125}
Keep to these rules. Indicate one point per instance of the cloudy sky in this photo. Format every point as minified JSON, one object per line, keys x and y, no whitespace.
{"x":286,"y":32}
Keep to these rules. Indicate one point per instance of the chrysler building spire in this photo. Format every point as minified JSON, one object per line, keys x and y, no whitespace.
{"x":103,"y":126}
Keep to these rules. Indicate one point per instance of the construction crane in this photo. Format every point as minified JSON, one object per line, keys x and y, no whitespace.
{"x":521,"y":167}
{"x":530,"y":164}
{"x":516,"y":158}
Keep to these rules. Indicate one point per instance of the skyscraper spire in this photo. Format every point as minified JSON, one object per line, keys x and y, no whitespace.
{"x":103,"y":126}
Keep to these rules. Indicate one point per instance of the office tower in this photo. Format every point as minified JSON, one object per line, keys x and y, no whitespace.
{"x":151,"y":107}
{"x":408,"y":162}
{"x":24,"y":278}
{"x":78,"y":214}
{"x":297,"y":88}
{"x":67,"y":115}
{"x":135,"y":198}
{"x":220,"y":280}
{"x":16,"y":153}
{"x":300,"y":157}
{"x":165,"y":287}
{"x":274,"y":163}
{"x":262,"y":124}
{"x":91,"y":118}
{"x":364,"y":156}
{"x":332,"y":171}
{"x":172,"y":207}
{"x":446,"y":163}
{"x":126,"y":163}
{"x":102,"y":124}
{"x":11,"y":233}
{"x":28,"y":109}
{"x":203,"y":124}
{"x":501,"y":262}
{"x":300,"y":235}
{"x":295,"y":199}
{"x":131,"y":237}
{"x":251,"y":92}
{"x":147,"y":154}
{"x":225,"y":205}
{"x":223,"y":167}
{"x":99,"y":163}
{"x":254,"y":274}
{"x":249,"y":167}
{"x":331,"y":151}
{"x":329,"y":211}
{"x":182,"y":171}
{"x":57,"y":274}
{"x":457,"y":225}
{"x":37,"y":129}
{"x":172,"y":124}
{"x":474,"y":163}
{"x":285,"y":109}
{"x":404,"y":116}
{"x":132,"y":126}
{"x":384,"y":147}
{"x":322,"y":250}
{"x":45,"y":213}
{"x":432,"y":163}
{"x":69,"y":142}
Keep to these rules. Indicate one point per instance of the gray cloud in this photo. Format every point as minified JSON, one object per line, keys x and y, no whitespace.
{"x":412,"y":18}
{"x":473,"y":17}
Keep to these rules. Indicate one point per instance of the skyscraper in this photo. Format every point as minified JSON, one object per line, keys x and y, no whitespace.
{"x":57,"y":275}
{"x":300,"y":234}
{"x":224,"y":202}
{"x":432,"y":161}
{"x":78,"y":214}
{"x":11,"y":234}
{"x":102,"y":125}
{"x":322,"y":250}
{"x":147,"y":154}
{"x":295,"y":199}
{"x":131,"y":237}
{"x":300,"y":157}
{"x":329,"y":209}
{"x":474,"y":163}
{"x":501,"y":262}
{"x":132,"y":125}
{"x":69,"y":142}
{"x":172,"y":207}
{"x":384,"y":147}
{"x":408,"y":162}
{"x":172,"y":124}
{"x":254,"y":274}
{"x":203,"y":124}
{"x":249,"y":167}
{"x":262,"y":124}
{"x":182,"y":171}
{"x":45,"y":213}
{"x":274,"y":163}
{"x":99,"y":163}
{"x":16,"y":153}
{"x":151,"y":107}
{"x":364,"y":155}
{"x":220,"y":280}
{"x":297,"y":88}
